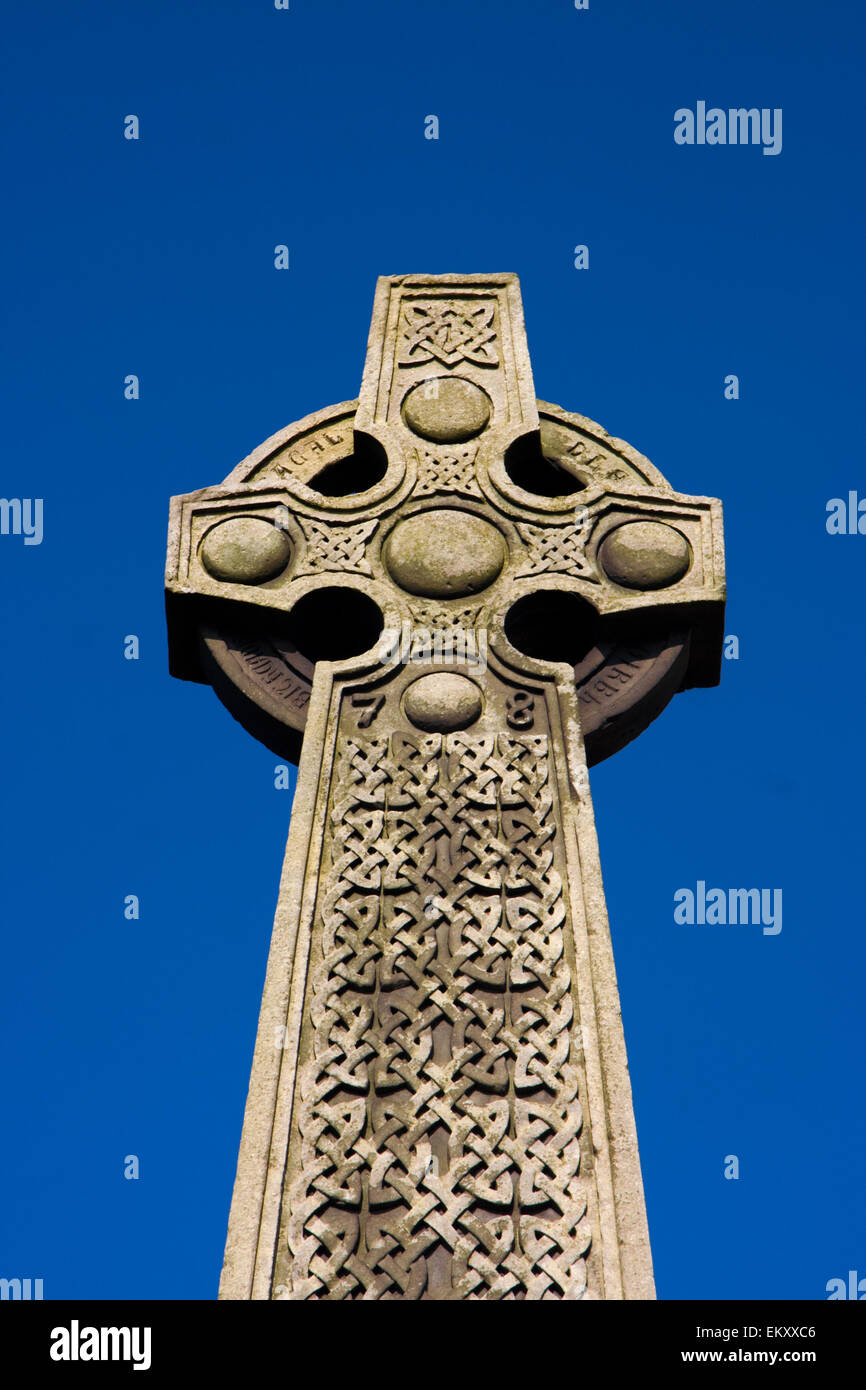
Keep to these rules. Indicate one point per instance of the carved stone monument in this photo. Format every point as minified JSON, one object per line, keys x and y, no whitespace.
{"x":454,"y":596}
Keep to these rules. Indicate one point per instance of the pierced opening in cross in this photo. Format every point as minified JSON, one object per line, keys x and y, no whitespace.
{"x":359,"y":472}
{"x":551,"y":625}
{"x":335,"y":623}
{"x":533,"y":471}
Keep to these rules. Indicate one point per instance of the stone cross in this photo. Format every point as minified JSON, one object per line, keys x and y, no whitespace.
{"x":454,"y":596}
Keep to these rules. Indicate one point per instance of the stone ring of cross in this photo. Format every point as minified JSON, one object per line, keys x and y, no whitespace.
{"x":455,"y":596}
{"x":451,"y":511}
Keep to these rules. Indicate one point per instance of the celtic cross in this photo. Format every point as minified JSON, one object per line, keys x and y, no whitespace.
{"x":455,"y":597}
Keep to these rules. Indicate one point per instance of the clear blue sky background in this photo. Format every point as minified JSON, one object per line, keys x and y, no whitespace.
{"x":305,"y":127}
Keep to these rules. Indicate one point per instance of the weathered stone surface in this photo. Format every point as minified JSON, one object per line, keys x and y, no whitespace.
{"x":444,"y":554}
{"x":448,"y":410}
{"x":246,"y":550}
{"x":645,"y":555}
{"x":439,"y":1105}
{"x":444,"y":701}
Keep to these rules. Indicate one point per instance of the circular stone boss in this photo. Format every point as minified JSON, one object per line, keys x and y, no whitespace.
{"x":245,"y":550}
{"x":447,"y":409}
{"x":442,"y":700}
{"x":645,"y":555}
{"x":444,"y":553}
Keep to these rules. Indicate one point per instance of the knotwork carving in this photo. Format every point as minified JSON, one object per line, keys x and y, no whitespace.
{"x":449,"y":330}
{"x":452,"y":471}
{"x":436,"y":1151}
{"x":557,"y":549}
{"x":334,"y":545}
{"x":436,"y":616}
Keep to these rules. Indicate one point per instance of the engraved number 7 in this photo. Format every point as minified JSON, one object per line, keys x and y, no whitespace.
{"x":369,"y":705}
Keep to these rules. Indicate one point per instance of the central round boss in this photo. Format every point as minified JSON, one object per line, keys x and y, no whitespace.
{"x":444,"y":553}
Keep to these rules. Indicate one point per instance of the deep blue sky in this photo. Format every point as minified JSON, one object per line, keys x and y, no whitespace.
{"x":155,"y":257}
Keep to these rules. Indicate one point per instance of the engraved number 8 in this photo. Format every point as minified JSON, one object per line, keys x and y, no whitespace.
{"x":520,"y":710}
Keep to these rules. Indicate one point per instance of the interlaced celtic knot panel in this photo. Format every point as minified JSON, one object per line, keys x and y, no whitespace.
{"x":557,"y":549}
{"x":335,"y":546}
{"x":448,"y":470}
{"x":435,"y":1148}
{"x":449,"y":331}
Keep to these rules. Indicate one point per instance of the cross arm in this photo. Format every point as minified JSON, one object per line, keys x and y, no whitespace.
{"x":651,"y":553}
